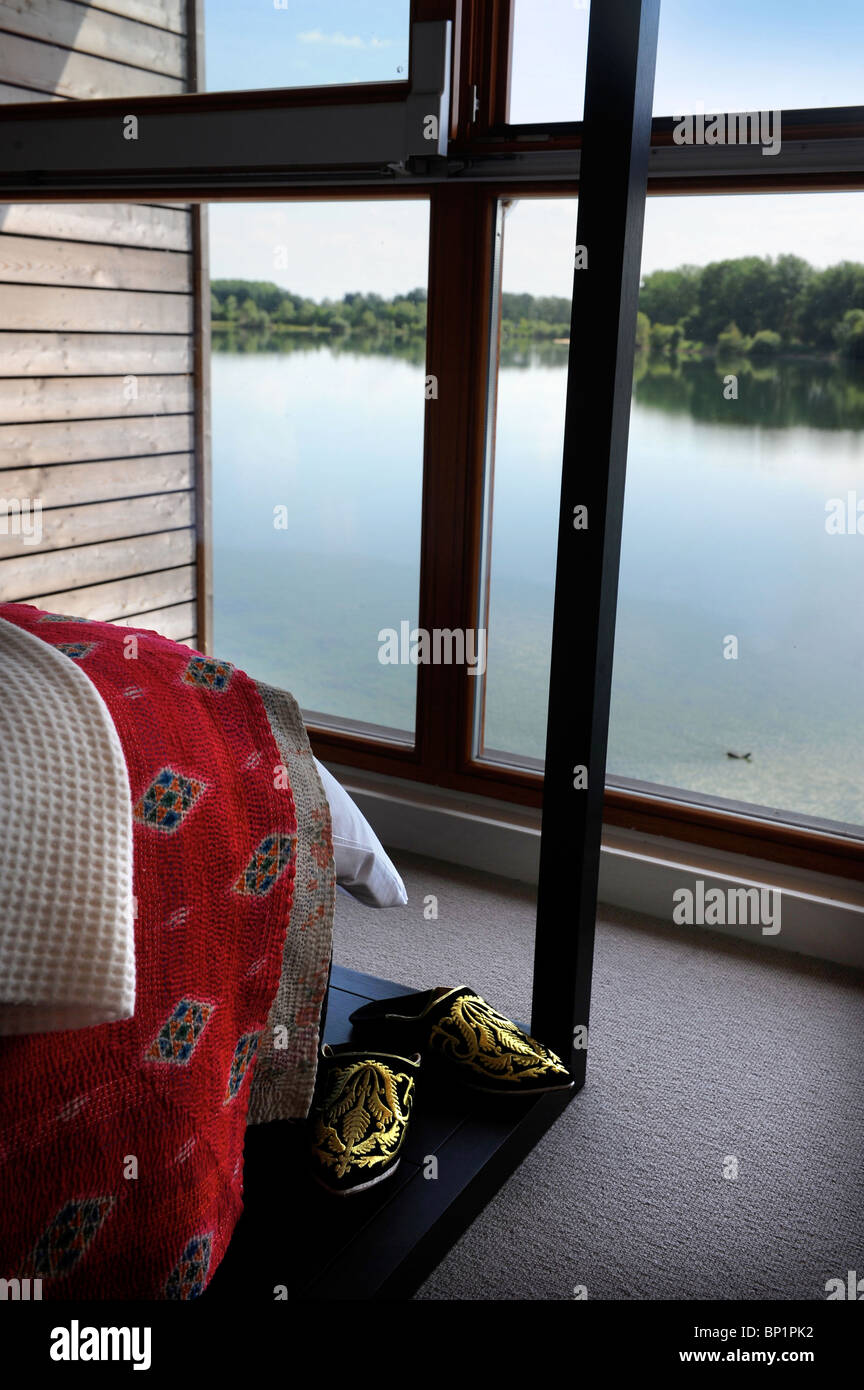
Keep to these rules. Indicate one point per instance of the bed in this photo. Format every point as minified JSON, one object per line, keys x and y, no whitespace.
{"x":169,"y":869}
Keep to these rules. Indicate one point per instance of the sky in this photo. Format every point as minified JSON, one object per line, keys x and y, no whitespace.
{"x":297,"y":43}
{"x":730,"y":56}
{"x":741,"y":55}
{"x":738,"y":55}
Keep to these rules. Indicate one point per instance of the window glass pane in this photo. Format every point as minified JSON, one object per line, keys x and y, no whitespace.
{"x":529,"y":433}
{"x":304,"y":43}
{"x":547,"y":72}
{"x":746,"y":466}
{"x":318,"y":375}
{"x":82,"y":51}
{"x":779,"y":54}
{"x":711,"y":58}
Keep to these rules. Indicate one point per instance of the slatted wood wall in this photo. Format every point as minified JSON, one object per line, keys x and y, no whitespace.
{"x":99,"y":358}
{"x":111,"y":48}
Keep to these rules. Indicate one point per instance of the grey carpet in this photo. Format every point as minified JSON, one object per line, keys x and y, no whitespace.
{"x":701,"y":1048}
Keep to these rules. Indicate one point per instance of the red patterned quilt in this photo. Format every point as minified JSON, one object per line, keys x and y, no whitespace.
{"x":121,"y":1145}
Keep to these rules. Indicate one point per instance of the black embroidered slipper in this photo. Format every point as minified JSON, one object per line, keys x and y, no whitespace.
{"x":464,"y":1035}
{"x":359,"y":1123}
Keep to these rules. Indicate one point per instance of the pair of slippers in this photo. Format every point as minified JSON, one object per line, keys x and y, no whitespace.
{"x":366,"y":1093}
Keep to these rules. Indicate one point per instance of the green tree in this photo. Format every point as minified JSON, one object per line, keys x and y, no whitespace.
{"x":249,"y":312}
{"x":730,"y":290}
{"x":665,"y":338}
{"x":753,"y":303}
{"x":306,"y":311}
{"x":670,"y":296}
{"x":404,"y":314}
{"x":830,"y":294}
{"x":731,"y":342}
{"x":792,"y":278}
{"x":765,"y":343}
{"x":849,"y":333}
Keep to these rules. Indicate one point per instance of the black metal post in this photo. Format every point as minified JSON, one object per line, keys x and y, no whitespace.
{"x":622,"y":43}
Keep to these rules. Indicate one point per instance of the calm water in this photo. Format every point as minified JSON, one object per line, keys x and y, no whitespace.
{"x":724,"y":535}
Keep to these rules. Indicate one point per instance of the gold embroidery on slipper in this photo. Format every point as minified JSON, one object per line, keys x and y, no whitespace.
{"x":475,"y":1035}
{"x":363,"y":1118}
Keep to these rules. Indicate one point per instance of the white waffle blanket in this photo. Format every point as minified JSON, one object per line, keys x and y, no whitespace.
{"x":67,"y":946}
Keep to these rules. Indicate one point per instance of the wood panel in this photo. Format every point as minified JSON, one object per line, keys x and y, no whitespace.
{"x":43,"y":261}
{"x":460,"y":290}
{"x":88,"y":398}
{"x":68,"y":442}
{"x":63,"y":527}
{"x":74,"y":484}
{"x":77,"y":75}
{"x":123,"y":224}
{"x":92,"y":354}
{"x":142,"y":593}
{"x":100,"y":33}
{"x":91,"y":295}
{"x":176,"y":622}
{"x":57,"y":571}
{"x":165,"y":14}
{"x":58,"y":309}
{"x":10,"y":95}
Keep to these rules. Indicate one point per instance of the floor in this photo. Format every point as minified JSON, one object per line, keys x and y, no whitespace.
{"x":707,"y":1056}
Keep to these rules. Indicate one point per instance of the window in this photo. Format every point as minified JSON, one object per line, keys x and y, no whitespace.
{"x":304,"y":43}
{"x":738,"y":655}
{"x":318,"y":385}
{"x":433,"y":554}
{"x":529,"y":433}
{"x":550,"y":45}
{"x":138,"y":48}
{"x":779,"y":55}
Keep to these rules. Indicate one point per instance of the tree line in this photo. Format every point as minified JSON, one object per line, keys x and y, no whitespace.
{"x":751,"y":305}
{"x":754,"y":305}
{"x":262,"y":307}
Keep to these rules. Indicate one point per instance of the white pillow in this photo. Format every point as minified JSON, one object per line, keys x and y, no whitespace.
{"x":363,"y":867}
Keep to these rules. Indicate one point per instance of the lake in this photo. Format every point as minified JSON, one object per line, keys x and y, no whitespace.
{"x":317,"y":459}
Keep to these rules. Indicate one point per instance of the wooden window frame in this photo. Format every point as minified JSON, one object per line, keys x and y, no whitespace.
{"x":455,"y":439}
{"x":486,"y":160}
